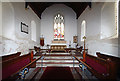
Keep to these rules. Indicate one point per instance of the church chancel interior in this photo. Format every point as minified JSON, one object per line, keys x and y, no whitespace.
{"x":59,"y":41}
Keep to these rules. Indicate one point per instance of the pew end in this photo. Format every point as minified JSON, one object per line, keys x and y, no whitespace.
{"x":115,"y":63}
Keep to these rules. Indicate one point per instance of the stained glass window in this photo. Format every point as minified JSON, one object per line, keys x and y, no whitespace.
{"x":58,"y":27}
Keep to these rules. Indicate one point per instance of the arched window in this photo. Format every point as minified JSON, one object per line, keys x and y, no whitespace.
{"x":33,"y":30}
{"x":83,"y":29}
{"x":58,"y":27}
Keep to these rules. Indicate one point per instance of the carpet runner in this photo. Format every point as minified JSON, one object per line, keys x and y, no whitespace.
{"x":57,"y":73}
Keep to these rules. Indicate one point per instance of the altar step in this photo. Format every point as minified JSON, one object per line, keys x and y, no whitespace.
{"x":59,"y":54}
{"x":51,"y":64}
{"x":55,"y":55}
{"x":57,"y":60}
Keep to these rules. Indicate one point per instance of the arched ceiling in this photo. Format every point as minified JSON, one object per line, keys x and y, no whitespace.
{"x":39,"y":7}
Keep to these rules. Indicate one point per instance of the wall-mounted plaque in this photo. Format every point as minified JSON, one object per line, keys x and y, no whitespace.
{"x":24,"y":28}
{"x":75,"y":39}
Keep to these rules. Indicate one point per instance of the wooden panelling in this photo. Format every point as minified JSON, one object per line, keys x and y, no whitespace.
{"x":113,"y":59}
{"x":58,"y":47}
{"x":7,"y":57}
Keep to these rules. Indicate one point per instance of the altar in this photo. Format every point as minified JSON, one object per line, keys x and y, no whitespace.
{"x":58,"y":46}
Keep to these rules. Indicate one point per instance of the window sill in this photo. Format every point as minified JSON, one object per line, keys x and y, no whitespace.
{"x":112,"y":37}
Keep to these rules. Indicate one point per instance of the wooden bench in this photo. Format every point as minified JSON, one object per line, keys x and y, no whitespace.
{"x":100,"y":68}
{"x":7,"y":57}
{"x":115,"y":60}
{"x":12,"y":67}
{"x":39,"y":51}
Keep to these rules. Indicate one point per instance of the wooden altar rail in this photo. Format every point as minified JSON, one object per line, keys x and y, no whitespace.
{"x":68,"y":50}
{"x":75,"y":49}
{"x":40,"y":51}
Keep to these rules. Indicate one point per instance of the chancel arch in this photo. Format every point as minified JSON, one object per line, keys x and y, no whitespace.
{"x":47,"y":22}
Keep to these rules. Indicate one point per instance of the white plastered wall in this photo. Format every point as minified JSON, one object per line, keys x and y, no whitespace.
{"x":93,"y":19}
{"x":13,"y":39}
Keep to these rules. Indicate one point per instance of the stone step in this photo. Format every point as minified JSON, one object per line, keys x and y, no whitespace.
{"x":60,"y":55}
{"x":45,"y":65}
{"x":57,"y":63}
{"x":56,"y":53}
{"x":57,"y":57}
{"x":58,"y":60}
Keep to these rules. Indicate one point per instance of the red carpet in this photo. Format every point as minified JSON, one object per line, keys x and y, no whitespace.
{"x":57,"y":73}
